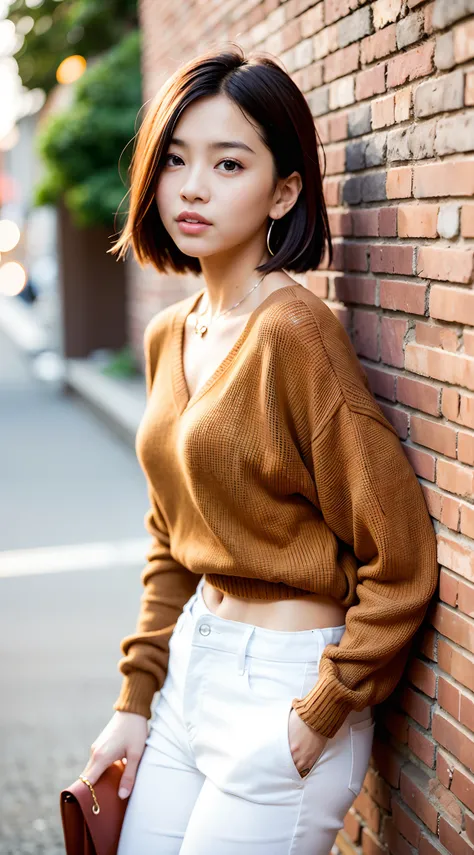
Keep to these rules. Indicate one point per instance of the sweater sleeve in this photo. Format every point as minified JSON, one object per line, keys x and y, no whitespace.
{"x":167,"y":586}
{"x":371,"y":499}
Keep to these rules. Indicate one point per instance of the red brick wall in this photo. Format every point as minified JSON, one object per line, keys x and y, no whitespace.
{"x":391,"y":87}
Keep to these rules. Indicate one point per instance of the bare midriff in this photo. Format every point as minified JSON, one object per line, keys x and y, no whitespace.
{"x":298,"y":613}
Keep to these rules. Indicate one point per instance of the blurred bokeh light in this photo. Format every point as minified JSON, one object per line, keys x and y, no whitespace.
{"x":12,"y":278}
{"x":71,"y":68}
{"x":9,"y":235}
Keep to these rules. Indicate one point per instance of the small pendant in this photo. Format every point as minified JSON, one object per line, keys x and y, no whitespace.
{"x":200,"y":329}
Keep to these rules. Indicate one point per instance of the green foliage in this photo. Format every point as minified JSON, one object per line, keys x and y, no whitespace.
{"x":83,"y":146}
{"x":122,"y":364}
{"x":56,"y":29}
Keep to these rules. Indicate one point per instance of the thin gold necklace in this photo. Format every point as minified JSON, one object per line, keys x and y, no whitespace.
{"x":201,"y":328}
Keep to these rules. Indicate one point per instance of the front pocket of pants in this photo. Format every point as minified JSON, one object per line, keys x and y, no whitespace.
{"x":362,"y":734}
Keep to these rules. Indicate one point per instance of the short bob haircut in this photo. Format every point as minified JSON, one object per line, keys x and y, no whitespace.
{"x":284,"y":122}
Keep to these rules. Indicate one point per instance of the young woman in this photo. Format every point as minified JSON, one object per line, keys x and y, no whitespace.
{"x":293,"y":556}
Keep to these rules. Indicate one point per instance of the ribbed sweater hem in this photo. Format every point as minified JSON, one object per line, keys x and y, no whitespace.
{"x":254,"y":589}
{"x":323,"y":709}
{"x":136,"y":693}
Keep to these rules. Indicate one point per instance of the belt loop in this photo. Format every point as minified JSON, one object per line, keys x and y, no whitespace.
{"x":241,"y":652}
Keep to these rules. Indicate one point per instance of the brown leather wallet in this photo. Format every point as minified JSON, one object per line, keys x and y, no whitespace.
{"x":92,"y":816}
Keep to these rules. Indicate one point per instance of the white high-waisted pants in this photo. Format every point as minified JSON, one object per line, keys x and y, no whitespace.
{"x":217,"y":776}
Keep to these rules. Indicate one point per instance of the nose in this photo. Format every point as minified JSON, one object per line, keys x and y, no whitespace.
{"x":194,"y":188}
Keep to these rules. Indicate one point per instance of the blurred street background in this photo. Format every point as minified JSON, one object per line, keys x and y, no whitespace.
{"x":71,"y":547}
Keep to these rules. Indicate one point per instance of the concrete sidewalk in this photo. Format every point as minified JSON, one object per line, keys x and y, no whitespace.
{"x":119,"y":402}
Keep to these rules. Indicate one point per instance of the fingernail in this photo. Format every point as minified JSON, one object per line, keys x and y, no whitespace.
{"x":123,"y":793}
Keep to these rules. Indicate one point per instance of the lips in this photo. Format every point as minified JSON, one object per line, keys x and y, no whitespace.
{"x":189,"y":216}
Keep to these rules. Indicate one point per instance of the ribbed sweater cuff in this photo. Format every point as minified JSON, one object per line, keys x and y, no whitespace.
{"x":136,"y":693}
{"x":322,"y":708}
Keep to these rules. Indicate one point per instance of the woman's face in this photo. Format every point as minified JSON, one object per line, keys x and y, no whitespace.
{"x":216,"y":166}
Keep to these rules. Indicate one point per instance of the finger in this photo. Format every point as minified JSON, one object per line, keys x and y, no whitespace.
{"x":95,"y":768}
{"x":128,"y":777}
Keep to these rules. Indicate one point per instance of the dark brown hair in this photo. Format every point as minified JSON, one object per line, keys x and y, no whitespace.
{"x":264,"y":90}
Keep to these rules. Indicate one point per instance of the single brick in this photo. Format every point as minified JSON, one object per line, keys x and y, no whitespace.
{"x":422,"y":139}
{"x":450,"y":265}
{"x":452,"y":178}
{"x":444,"y":52}
{"x":375,"y":150}
{"x":403,"y":104}
{"x":370,"y":82}
{"x":421,"y":396}
{"x":379,"y":45}
{"x":415,"y":63}
{"x":340,"y":223}
{"x":385,"y":12}
{"x":463,"y":37}
{"x":445,"y":14}
{"x":381,"y":382}
{"x":448,"y":221}
{"x":399,"y":181}
{"x":452,"y":304}
{"x":392,"y":258}
{"x":398,"y":144}
{"x":383,"y":112}
{"x":422,"y":463}
{"x":341,"y":62}
{"x":341,"y":93}
{"x":455,"y":134}
{"x":392,"y":337}
{"x":443,"y":93}
{"x":374,"y":187}
{"x":354,"y":27}
{"x":388,"y":221}
{"x":332,"y":190}
{"x":355,"y":156}
{"x":325,"y":42}
{"x":365,"y":222}
{"x":403,"y":296}
{"x":338,"y":127}
{"x":417,"y":220}
{"x":467,"y":220}
{"x":319,"y":101}
{"x":355,"y":289}
{"x":410,"y":30}
{"x":358,"y":121}
{"x":352,"y":190}
{"x":432,"y":435}
{"x":365,"y":327}
{"x":335,"y":160}
{"x":355,"y":256}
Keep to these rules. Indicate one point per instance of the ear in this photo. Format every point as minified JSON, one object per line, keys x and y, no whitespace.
{"x":285,"y":195}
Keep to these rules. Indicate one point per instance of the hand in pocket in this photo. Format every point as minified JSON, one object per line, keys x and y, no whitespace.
{"x":306,"y":745}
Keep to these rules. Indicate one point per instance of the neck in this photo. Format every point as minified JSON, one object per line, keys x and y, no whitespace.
{"x":228,"y":279}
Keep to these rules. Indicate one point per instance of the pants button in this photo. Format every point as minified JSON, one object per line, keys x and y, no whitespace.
{"x":205,"y":629}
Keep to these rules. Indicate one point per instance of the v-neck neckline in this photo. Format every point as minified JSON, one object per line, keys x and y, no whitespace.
{"x":183,"y":399}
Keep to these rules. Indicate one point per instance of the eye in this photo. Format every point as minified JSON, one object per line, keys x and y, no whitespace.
{"x":171,"y":155}
{"x":233,"y":163}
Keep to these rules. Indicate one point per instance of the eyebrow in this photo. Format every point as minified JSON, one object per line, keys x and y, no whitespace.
{"x":216,"y":145}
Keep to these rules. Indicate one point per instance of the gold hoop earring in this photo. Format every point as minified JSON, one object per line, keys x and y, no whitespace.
{"x":268,"y":238}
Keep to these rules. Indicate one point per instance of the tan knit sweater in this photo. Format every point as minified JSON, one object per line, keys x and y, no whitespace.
{"x":280,"y":476}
